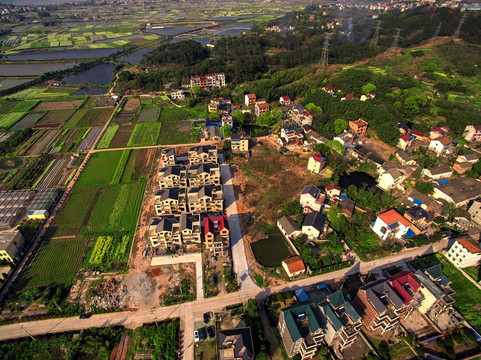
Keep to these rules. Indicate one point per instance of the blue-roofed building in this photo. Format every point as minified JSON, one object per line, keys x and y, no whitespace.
{"x":301,"y":295}
{"x":343,"y":323}
{"x":302,"y":330}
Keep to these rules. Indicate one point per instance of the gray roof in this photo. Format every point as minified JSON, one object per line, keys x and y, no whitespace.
{"x":440,"y":169}
{"x":202,"y":168}
{"x":395,"y":173}
{"x":428,"y":284}
{"x":461,"y":189}
{"x":214,"y":131}
{"x":44,"y":199}
{"x":288,"y":224}
{"x":6,"y":238}
{"x":171,"y":170}
{"x":202,"y":149}
{"x":347,"y":204}
{"x":404,"y":155}
{"x":471,"y":157}
{"x":240,"y":339}
{"x":418,"y":213}
{"x":168,"y":151}
{"x":163,"y":223}
{"x":315,"y":219}
{"x":380,"y":294}
{"x":187,"y":221}
{"x":311,"y":190}
{"x":169,"y":193}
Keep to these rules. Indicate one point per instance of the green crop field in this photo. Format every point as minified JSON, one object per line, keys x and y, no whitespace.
{"x":75,"y":118}
{"x":145,"y":134}
{"x":75,"y":212}
{"x":98,"y":221}
{"x":176,"y":114}
{"x":8,"y":120}
{"x":25,"y":106}
{"x":107,"y":137}
{"x":56,"y":263}
{"x":100,"y":169}
{"x":120,"y":167}
{"x":108,"y":251}
{"x":32,"y":93}
{"x":176,"y":132}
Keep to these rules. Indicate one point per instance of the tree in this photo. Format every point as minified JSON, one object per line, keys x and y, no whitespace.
{"x":336,"y":146}
{"x":450,"y":210}
{"x":226,"y":145}
{"x":226,"y":130}
{"x":336,"y":218}
{"x":368,"y":88}
{"x":196,"y":90}
{"x":239,"y":116}
{"x":313,"y":108}
{"x":291,"y":208}
{"x":340,"y":125}
{"x":424,"y":187}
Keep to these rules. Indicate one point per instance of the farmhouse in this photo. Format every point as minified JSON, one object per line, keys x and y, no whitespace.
{"x":438,"y":172}
{"x":216,"y":230}
{"x":472,"y":133}
{"x":288,"y":227}
{"x":235,"y":344}
{"x":314,"y":225}
{"x":391,"y":179}
{"x":299,"y":116}
{"x":175,"y":231}
{"x":285,"y":100}
{"x":311,"y":198}
{"x":10,"y":244}
{"x":464,"y":253}
{"x":239,"y":143}
{"x":459,"y":191}
{"x":167,"y":156}
{"x":440,"y":145}
{"x":250,"y":99}
{"x":261,"y":108}
{"x":202,"y":154}
{"x":293,"y":266}
{"x":204,"y":199}
{"x":316,"y":163}
{"x":475,"y":211}
{"x":358,"y":127}
{"x":391,"y":223}
{"x":404,"y":141}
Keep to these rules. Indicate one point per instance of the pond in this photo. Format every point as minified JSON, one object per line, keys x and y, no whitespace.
{"x":91,"y":91}
{"x":63,"y":54}
{"x":136,"y":56}
{"x":98,"y":75}
{"x":360,"y":179}
{"x":171,"y":30}
{"x":271,"y":250}
{"x":10,"y":163}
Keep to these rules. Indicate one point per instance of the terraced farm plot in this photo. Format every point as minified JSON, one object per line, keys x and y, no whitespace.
{"x":95,"y":117}
{"x":148,"y":114}
{"x":25,"y":106}
{"x":54,"y":118}
{"x":90,"y":139}
{"x":122,"y":136}
{"x":58,"y":105}
{"x":8,"y":120}
{"x":100,"y":169}
{"x":145,"y":134}
{"x":27,"y":121}
{"x":57,"y":262}
{"x":75,"y":212}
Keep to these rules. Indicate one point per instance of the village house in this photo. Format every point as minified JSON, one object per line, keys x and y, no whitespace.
{"x":235,"y":344}
{"x":227,"y":120}
{"x":419,"y":135}
{"x":464,"y":253}
{"x":365,"y":97}
{"x":301,"y":330}
{"x":170,"y":201}
{"x":202,"y":154}
{"x":342,"y":322}
{"x":316,"y":163}
{"x":216,"y":234}
{"x":208,"y":80}
{"x":11,"y":242}
{"x":362,"y":152}
{"x":314,"y":225}
{"x":379,"y":305}
{"x":172,"y":176}
{"x":403,"y":128}
{"x":438,"y":131}
{"x":416,"y":198}
{"x":285,"y":100}
{"x":469,"y":158}
{"x":333,"y":192}
{"x":203,"y":174}
{"x":475,"y":210}
{"x":346,"y":206}
{"x":407,"y":287}
{"x":299,"y":116}
{"x":462,"y":220}
{"x":459,"y":191}
{"x":391,"y":223}
{"x":345,"y":138}
{"x":167,"y":156}
{"x":312,"y":199}
{"x":177,"y":94}
{"x":348,"y":97}
{"x":219,"y":104}
{"x":440,"y":145}
{"x":204,"y":199}
{"x":404,"y":158}
{"x":420,"y":218}
{"x":250,"y":99}
{"x":329,"y":89}
{"x":175,"y":231}
{"x":404,"y":141}
{"x":239,"y":143}
{"x":291,"y":136}
{"x":293,"y":266}
{"x":461,"y":168}
{"x":288,"y":227}
{"x":438,"y":172}
{"x":358,"y":127}
{"x":213,"y":133}
{"x":472,"y":133}
{"x":261,"y":108}
{"x":391,"y":179}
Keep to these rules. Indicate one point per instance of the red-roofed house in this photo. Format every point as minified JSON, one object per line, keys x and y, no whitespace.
{"x":250,"y":99}
{"x":464,"y":253}
{"x":333,"y":191}
{"x":216,"y":230}
{"x":404,"y":141}
{"x":472,"y":133}
{"x":348,"y":97}
{"x":328,"y":89}
{"x":440,"y":145}
{"x":285,"y":100}
{"x":261,"y":108}
{"x":407,"y":287}
{"x":391,"y":223}
{"x":293,"y":266}
{"x":438,"y":131}
{"x":316,"y":163}
{"x":419,"y":135}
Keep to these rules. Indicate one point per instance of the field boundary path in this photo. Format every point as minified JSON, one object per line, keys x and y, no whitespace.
{"x":157,"y":146}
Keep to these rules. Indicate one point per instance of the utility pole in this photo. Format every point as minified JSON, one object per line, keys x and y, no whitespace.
{"x":436,"y":33}
{"x":375,"y":39}
{"x":395,"y":43}
{"x":325,"y":52}
{"x":458,"y":29}
{"x":28,"y":333}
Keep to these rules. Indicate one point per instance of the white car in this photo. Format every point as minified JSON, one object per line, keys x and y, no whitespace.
{"x":196,"y":336}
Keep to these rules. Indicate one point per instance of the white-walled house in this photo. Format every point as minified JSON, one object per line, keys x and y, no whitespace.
{"x":391,"y":178}
{"x":464,"y":253}
{"x":440,"y":145}
{"x":316,"y":163}
{"x":391,"y":223}
{"x":311,"y":198}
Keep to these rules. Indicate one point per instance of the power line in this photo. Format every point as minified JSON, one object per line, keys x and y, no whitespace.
{"x":375,"y":39}
{"x":395,"y":42}
{"x":325,"y":51}
{"x":458,"y":29}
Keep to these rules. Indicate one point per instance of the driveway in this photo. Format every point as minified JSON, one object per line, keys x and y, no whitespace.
{"x":239,"y":258}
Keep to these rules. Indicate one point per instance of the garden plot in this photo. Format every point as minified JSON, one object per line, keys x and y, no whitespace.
{"x":54,"y":119}
{"x":58,"y":105}
{"x":90,"y":139}
{"x":42,"y":144}
{"x":70,"y":140}
{"x":122,"y":136}
{"x":145,"y":134}
{"x":95,"y":117}
{"x":8,"y":120}
{"x":52,"y":177}
{"x":27,"y":121}
{"x":125,"y":117}
{"x":148,"y":114}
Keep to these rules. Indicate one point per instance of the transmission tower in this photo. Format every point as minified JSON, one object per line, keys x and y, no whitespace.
{"x":375,"y":38}
{"x":458,"y":29}
{"x":438,"y":29}
{"x":395,"y":42}
{"x":325,"y":51}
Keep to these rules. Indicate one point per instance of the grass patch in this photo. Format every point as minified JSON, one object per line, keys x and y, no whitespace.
{"x":145,"y":134}
{"x":120,"y":167}
{"x":176,"y":132}
{"x":107,"y":137}
{"x":75,"y":118}
{"x":8,"y":120}
{"x":100,"y":169}
{"x":56,"y":263}
{"x":25,"y":106}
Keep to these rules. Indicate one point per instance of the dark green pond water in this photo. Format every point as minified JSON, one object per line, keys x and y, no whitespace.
{"x":271,"y":250}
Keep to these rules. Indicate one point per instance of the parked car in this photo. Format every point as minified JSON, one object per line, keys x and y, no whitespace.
{"x":211,"y":331}
{"x":207,"y":317}
{"x":202,"y":333}
{"x":85,"y":316}
{"x":196,"y":336}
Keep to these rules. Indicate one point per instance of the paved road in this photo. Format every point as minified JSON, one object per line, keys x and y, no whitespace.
{"x":241,"y":267}
{"x":187,"y":258}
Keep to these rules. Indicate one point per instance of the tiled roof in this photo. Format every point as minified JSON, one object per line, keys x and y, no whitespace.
{"x":428,"y":284}
{"x":405,"y":137}
{"x":436,"y":272}
{"x":417,"y":132}
{"x":469,"y":245}
{"x":391,"y":216}
{"x":288,"y":224}
{"x":294,"y":264}
{"x":318,"y":157}
{"x":292,"y":315}
{"x":315,"y":219}
{"x":443,"y":140}
{"x":311,"y":190}
{"x":402,"y":283}
{"x":251,"y":96}
{"x":332,"y":187}
{"x":209,"y":223}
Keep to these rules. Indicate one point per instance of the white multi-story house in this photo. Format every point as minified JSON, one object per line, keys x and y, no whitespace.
{"x":311,"y":198}
{"x":391,"y":179}
{"x":440,"y":145}
{"x":464,"y":253}
{"x":316,"y":163}
{"x":391,"y":223}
